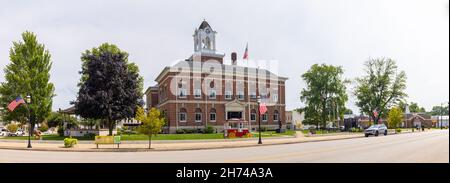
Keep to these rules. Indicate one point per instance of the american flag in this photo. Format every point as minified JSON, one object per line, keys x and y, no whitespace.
{"x":262,"y":108}
{"x":16,"y":102}
{"x":375,"y":113}
{"x":246,"y":52}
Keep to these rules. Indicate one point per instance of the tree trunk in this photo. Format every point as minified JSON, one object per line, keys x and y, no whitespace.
{"x":110,"y":127}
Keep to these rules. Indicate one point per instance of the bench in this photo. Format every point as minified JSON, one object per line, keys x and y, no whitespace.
{"x":107,"y":140}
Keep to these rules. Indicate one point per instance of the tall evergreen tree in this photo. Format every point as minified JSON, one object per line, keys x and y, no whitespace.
{"x":28,"y":73}
{"x":109,"y":88}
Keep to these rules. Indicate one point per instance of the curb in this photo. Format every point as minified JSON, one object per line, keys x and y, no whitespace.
{"x":153,"y":150}
{"x":146,"y":141}
{"x":181,"y":149}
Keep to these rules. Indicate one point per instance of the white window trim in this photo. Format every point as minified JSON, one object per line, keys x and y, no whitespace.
{"x":195,"y":94}
{"x":201,"y":117}
{"x":241,"y":93}
{"x":230,"y":93}
{"x":210,"y":92}
{"x":185,"y":117}
{"x":253,"y":95}
{"x":275,"y":96}
{"x":264,"y":120}
{"x":278,"y":117}
{"x":180,"y":91}
{"x":252,"y":120}
{"x":215,"y":117}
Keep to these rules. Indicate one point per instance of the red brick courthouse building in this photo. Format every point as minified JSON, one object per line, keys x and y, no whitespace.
{"x":202,"y":90}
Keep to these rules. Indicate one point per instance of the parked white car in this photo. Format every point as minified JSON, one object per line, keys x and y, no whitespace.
{"x":376,"y":130}
{"x":17,"y":133}
{"x":4,"y":132}
{"x":20,"y":133}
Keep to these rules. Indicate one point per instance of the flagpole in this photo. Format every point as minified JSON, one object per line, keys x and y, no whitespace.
{"x":248,"y":92}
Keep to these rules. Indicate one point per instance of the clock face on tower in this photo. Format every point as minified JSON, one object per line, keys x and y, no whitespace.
{"x":207,"y":31}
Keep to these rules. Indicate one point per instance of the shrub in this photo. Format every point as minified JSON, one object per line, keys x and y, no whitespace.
{"x":180,"y":131}
{"x":43,"y":127}
{"x":190,"y":130}
{"x":89,"y":135}
{"x":398,"y":130}
{"x":263,"y":128}
{"x":356,"y":129}
{"x":60,"y":131}
{"x":12,"y":127}
{"x":209,"y":129}
{"x":70,"y":142}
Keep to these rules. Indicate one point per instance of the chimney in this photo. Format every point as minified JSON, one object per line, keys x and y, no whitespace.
{"x":233,"y":58}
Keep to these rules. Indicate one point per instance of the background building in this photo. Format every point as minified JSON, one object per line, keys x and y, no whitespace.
{"x":202,"y":90}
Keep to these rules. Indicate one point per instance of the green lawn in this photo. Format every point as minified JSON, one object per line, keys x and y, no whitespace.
{"x":318,"y":131}
{"x":47,"y":137}
{"x":173,"y":136}
{"x":163,"y":136}
{"x":274,"y":134}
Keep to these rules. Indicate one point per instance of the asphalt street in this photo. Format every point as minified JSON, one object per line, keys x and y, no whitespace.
{"x":419,"y":147}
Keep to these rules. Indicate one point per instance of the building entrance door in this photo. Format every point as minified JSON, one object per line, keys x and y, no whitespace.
{"x":417,"y":123}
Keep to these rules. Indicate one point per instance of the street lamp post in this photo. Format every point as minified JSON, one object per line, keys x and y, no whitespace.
{"x":28,"y":101}
{"x":259,"y":119}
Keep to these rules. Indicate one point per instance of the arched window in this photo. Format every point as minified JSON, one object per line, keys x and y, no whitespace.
{"x":212,"y":115}
{"x":182,"y":115}
{"x":198,"y":115}
{"x":253,"y":115}
{"x":275,"y":116}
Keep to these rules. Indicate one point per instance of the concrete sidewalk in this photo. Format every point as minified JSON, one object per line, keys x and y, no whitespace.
{"x":172,"y":146}
{"x":89,"y":146}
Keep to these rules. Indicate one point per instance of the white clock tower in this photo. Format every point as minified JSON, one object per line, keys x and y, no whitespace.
{"x":205,"y":38}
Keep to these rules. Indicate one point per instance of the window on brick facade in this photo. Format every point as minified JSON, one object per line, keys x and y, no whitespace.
{"x":212,"y":94}
{"x":275,"y":97}
{"x":275,"y":116}
{"x":228,"y":95}
{"x":253,"y":95}
{"x":198,"y":115}
{"x":182,"y":93}
{"x":241,"y":95}
{"x":182,"y":115}
{"x":212,"y":115}
{"x":264,"y":117}
{"x":198,"y":93}
{"x":253,"y":115}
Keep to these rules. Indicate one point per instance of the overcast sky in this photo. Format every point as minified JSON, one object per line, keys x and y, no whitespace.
{"x":296,"y":33}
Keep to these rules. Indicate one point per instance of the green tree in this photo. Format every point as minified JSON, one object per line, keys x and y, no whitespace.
{"x":110,"y":88}
{"x":348,"y":111}
{"x":12,"y":127}
{"x":395,"y":117}
{"x":415,"y":108}
{"x":113,"y":49}
{"x":43,"y":127}
{"x":324,"y":95}
{"x":57,"y":119}
{"x":381,"y":88}
{"x":439,"y":110}
{"x":152,"y":122}
{"x":28,"y":73}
